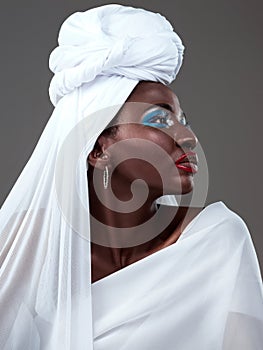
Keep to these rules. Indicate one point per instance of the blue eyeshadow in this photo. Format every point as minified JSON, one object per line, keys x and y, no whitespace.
{"x":159,"y":112}
{"x":159,"y":125}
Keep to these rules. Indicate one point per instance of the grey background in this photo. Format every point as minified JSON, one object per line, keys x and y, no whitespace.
{"x":219,"y":86}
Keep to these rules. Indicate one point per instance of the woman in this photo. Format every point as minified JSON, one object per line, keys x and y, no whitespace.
{"x":152,"y":112}
{"x":95,"y":252}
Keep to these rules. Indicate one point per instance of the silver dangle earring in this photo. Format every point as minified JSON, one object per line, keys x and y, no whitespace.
{"x":106,"y":177}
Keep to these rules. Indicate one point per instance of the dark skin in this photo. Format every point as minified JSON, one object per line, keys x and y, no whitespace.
{"x":174,"y":141}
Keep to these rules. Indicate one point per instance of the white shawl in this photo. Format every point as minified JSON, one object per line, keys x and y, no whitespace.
{"x":203,"y":292}
{"x":45,"y":267}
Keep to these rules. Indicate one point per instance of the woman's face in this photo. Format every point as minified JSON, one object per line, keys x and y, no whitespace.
{"x":152,"y":134}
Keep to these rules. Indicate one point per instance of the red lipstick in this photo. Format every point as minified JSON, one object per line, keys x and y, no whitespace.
{"x":187,"y":162}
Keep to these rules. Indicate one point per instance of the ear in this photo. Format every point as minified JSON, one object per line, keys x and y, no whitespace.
{"x":99,"y":156}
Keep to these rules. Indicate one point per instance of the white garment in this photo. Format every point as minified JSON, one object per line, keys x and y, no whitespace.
{"x":45,"y":266}
{"x":203,"y":292}
{"x":114,"y":40}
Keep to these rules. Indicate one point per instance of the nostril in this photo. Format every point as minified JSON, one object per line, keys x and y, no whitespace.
{"x":188,"y":145}
{"x":185,"y":138}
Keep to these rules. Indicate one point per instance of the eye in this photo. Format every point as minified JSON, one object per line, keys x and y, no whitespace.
{"x":183,"y":120}
{"x":159,"y":118}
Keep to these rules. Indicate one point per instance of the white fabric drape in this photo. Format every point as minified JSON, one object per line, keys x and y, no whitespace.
{"x":114,"y":40}
{"x":45,"y":268}
{"x":45,"y":273}
{"x":203,"y":292}
{"x":45,"y":250}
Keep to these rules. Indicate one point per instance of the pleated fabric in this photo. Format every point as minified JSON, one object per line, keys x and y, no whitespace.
{"x":114,"y":40}
{"x":203,"y":292}
{"x":206,"y":284}
{"x":45,"y":265}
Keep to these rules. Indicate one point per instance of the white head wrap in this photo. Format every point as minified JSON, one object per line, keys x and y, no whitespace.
{"x":114,"y":40}
{"x":45,"y":274}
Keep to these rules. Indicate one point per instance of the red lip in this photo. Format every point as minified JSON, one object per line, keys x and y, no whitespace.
{"x":189,"y":157}
{"x":188,"y":162}
{"x":192,"y":168}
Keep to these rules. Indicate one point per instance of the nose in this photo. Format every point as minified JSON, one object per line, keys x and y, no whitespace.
{"x":185,"y":138}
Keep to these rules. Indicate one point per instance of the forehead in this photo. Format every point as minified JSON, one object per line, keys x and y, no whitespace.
{"x":154,"y":93}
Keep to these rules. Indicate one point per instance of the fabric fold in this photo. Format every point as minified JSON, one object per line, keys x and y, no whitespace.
{"x":182,"y":294}
{"x":104,"y":41}
{"x":46,"y":297}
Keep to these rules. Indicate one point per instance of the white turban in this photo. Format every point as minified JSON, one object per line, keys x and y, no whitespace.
{"x":114,"y":40}
{"x":45,"y":275}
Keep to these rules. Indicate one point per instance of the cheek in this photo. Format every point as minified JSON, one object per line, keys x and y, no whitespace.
{"x":147,"y":145}
{"x":133,"y":169}
{"x":163,"y":139}
{"x":146,"y":158}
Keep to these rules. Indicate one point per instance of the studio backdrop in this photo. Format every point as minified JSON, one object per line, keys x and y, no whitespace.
{"x":219,"y":86}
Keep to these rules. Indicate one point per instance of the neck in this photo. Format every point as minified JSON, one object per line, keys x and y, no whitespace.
{"x":122,"y":204}
{"x":122,"y":235}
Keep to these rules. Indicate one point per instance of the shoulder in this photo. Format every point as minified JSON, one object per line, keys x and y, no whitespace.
{"x":227,"y":220}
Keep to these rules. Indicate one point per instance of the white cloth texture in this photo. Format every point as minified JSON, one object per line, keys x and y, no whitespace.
{"x":46,"y":300}
{"x":203,"y":292}
{"x":45,"y":275}
{"x":114,"y":40}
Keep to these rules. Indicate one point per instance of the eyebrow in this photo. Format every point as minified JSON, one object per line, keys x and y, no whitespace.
{"x":162,"y":105}
{"x":165,"y":106}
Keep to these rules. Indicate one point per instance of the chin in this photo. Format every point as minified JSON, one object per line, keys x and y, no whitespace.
{"x":186,"y":187}
{"x":188,"y":190}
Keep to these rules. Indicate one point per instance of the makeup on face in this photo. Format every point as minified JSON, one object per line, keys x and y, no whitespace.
{"x":162,"y":118}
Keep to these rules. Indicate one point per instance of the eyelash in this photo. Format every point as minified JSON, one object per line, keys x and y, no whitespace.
{"x":187,"y":125}
{"x":160,"y":117}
